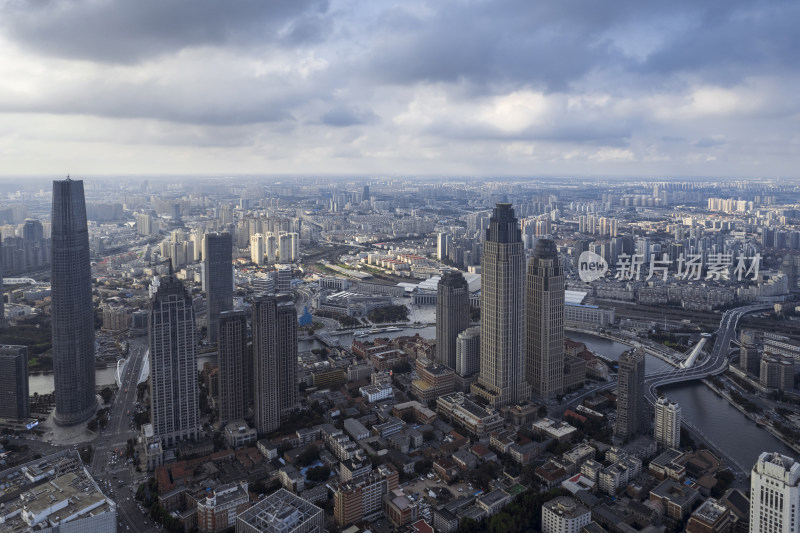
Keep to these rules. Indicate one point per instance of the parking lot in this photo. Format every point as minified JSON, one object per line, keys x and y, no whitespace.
{"x":421,"y":487}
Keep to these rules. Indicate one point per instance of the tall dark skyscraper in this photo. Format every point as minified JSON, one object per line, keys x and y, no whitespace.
{"x":544,"y":317}
{"x":630,"y":394}
{"x":14,"y":382}
{"x":71,"y":311}
{"x":452,"y":316}
{"x":502,"y":375}
{"x":173,"y":364}
{"x":235,"y":375}
{"x":218,"y":272}
{"x":275,"y":387}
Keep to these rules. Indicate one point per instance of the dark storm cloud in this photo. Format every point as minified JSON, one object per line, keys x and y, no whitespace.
{"x":552,"y":44}
{"x":128,"y":31}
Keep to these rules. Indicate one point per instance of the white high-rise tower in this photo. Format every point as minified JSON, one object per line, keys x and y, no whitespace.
{"x":668,"y":423}
{"x":775,"y":494}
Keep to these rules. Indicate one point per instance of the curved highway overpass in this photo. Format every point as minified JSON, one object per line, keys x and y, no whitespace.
{"x":715,"y":363}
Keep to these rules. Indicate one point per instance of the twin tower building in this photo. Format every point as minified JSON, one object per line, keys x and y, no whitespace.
{"x":264,"y":378}
{"x":522,"y":316}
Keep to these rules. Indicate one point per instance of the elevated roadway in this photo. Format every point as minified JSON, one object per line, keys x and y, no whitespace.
{"x":715,"y":363}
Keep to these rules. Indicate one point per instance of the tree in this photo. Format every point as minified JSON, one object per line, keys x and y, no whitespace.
{"x":309,"y":455}
{"x":318,"y":473}
{"x":106,"y":394}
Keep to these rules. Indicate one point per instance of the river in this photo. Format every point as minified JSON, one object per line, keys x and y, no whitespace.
{"x":700,"y":406}
{"x":43,"y":383}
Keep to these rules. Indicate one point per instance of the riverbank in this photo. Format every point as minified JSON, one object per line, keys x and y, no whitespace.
{"x":759,"y":422}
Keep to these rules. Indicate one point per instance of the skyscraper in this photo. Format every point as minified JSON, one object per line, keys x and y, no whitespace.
{"x":218,"y":272}
{"x":2,"y":290}
{"x":235,"y":375}
{"x":544,"y":317}
{"x":173,"y":364}
{"x":502,"y":375}
{"x":468,"y":351}
{"x":668,"y":423}
{"x":442,"y":246}
{"x":775,"y":494}
{"x":275,"y":387}
{"x":452,"y":315}
{"x":71,"y":311}
{"x":630,"y":394}
{"x":14,"y":382}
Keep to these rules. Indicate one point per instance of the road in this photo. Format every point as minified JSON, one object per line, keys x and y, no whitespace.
{"x":109,"y":465}
{"x":715,"y":363}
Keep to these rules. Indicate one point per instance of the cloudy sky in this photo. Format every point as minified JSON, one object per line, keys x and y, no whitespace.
{"x":451,"y":87}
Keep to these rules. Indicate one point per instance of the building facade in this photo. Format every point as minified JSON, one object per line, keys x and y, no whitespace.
{"x":630,"y":394}
{"x":218,"y":282}
{"x":564,"y":515}
{"x":544,"y":357}
{"x":667,"y":430}
{"x":71,"y":310}
{"x":775,"y":494}
{"x":275,"y":386}
{"x":235,"y":374}
{"x":173,"y":364}
{"x":502,"y":371}
{"x":14,"y":382}
{"x":452,"y":315}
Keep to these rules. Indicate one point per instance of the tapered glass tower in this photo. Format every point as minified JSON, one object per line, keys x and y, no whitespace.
{"x":71,"y":311}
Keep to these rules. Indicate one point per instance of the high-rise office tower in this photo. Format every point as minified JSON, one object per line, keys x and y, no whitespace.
{"x":775,"y":494}
{"x":235,"y":374}
{"x":452,"y":315}
{"x":668,"y":423}
{"x":218,"y":272}
{"x":71,"y":311}
{"x":544,"y":321}
{"x":630,"y":394}
{"x":275,"y":387}
{"x":442,"y":246}
{"x":468,"y":352}
{"x":2,"y":290}
{"x":14,"y":382}
{"x":502,"y":375}
{"x":174,"y":408}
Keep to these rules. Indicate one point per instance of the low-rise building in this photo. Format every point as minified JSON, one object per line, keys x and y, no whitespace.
{"x":564,"y":515}
{"x":561,"y":431}
{"x":676,"y":498}
{"x":479,"y":421}
{"x":493,"y":502}
{"x":376,"y":393}
{"x":362,"y":498}
{"x":63,"y":497}
{"x":355,"y":429}
{"x":281,"y":512}
{"x":710,"y":517}
{"x":217,"y":508}
{"x":238,"y":434}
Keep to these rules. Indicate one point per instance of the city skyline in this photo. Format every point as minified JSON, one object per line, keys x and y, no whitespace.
{"x":451,"y":88}
{"x":371,"y":282}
